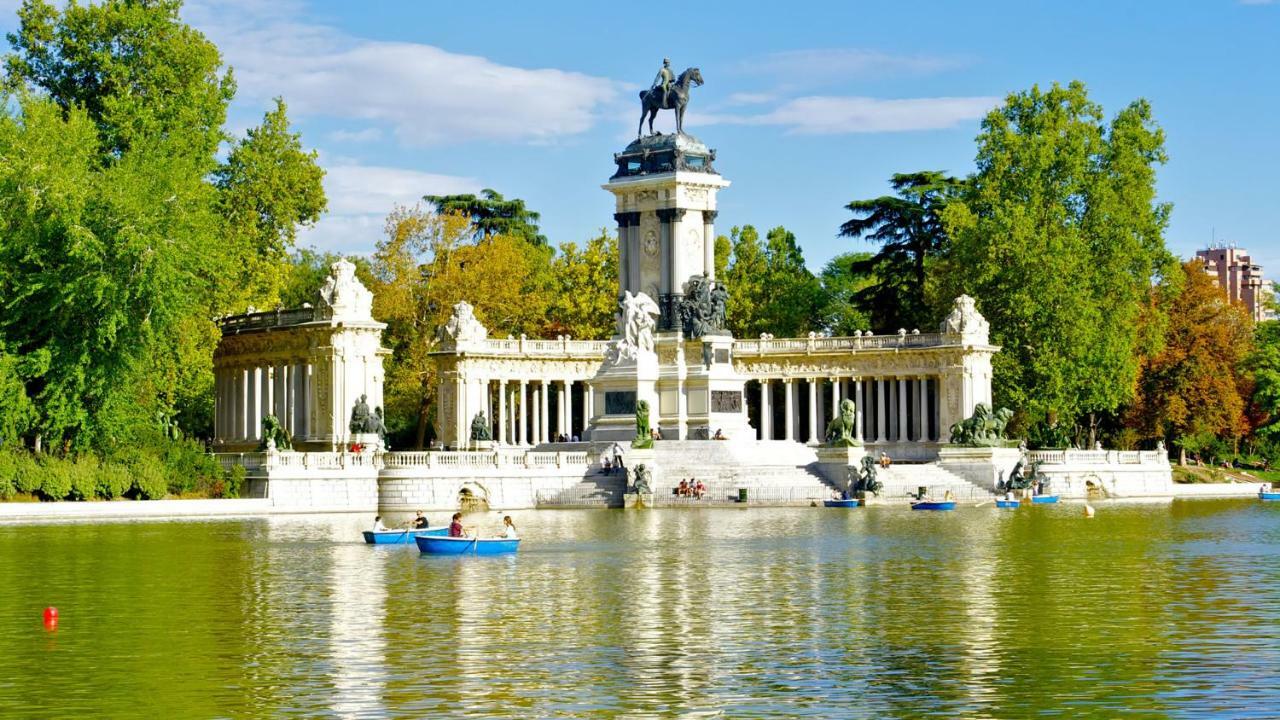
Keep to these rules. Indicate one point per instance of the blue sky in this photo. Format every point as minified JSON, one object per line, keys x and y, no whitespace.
{"x":809,"y":105}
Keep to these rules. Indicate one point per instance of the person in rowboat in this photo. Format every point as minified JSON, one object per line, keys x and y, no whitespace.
{"x":420,"y":522}
{"x":508,"y":529}
{"x":377,"y":524}
{"x":455,"y":527}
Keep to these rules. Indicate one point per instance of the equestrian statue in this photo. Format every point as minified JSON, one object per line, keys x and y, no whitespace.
{"x":667,"y":93}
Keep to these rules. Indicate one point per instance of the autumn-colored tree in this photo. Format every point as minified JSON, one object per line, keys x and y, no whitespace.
{"x":1193,"y":389}
{"x":585,"y":300}
{"x":427,"y":264}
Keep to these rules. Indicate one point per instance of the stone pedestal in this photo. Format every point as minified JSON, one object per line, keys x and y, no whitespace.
{"x":713,"y":391}
{"x":834,"y":463}
{"x":370,"y":442}
{"x":979,"y":465}
{"x":617,"y":391}
{"x":637,"y":500}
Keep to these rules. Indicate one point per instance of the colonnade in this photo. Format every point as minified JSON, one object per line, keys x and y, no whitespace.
{"x":521,"y":411}
{"x":243,"y":396}
{"x":889,"y":409}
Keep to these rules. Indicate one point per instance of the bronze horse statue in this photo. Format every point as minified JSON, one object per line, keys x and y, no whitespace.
{"x":651,"y":100}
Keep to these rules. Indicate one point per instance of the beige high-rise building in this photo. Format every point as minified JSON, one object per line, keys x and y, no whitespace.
{"x":1235,"y":272}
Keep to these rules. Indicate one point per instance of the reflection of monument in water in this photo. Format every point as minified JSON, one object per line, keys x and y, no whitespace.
{"x":671,"y":349}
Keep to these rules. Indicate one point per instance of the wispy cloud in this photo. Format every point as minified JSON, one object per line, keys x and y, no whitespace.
{"x":361,"y":196}
{"x":424,"y":93}
{"x":831,"y":115}
{"x":809,"y":68}
{"x":371,"y":134}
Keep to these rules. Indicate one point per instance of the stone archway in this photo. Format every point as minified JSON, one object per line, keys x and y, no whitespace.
{"x":473,"y":497}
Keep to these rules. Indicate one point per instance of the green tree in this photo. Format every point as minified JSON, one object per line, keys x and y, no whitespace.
{"x":908,"y":227}
{"x":770,"y":289}
{"x":841,"y":313}
{"x":135,"y":68}
{"x":268,"y":188}
{"x":1060,"y":240}
{"x":744,"y":277}
{"x":492,"y":214}
{"x":586,"y":288}
{"x":1263,"y":363}
{"x":17,"y":412}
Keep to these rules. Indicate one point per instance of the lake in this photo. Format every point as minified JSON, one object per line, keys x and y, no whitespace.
{"x":1147,"y":610}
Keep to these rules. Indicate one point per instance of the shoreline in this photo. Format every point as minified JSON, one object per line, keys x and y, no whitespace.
{"x":115,"y":510}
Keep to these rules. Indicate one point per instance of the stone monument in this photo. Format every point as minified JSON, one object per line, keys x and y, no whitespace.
{"x":671,"y":348}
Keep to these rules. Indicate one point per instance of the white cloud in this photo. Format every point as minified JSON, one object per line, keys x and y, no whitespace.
{"x":828,"y":115}
{"x":801,"y":68}
{"x":366,"y":135}
{"x":361,"y":196}
{"x":427,"y":94}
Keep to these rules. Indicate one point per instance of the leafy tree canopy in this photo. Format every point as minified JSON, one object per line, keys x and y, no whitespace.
{"x":491,"y":214}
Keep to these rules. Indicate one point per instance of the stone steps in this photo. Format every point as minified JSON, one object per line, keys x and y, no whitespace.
{"x":595,"y":489}
{"x":901,"y":479}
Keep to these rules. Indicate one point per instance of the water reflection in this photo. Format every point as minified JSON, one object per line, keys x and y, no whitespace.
{"x":1150,"y":610}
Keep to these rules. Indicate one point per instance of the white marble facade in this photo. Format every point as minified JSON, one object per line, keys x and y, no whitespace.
{"x":307,"y":367}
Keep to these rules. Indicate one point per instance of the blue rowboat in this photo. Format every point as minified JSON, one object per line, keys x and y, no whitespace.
{"x":850,"y":503}
{"x":1272,"y":495}
{"x":400,"y":537}
{"x":445,"y":545}
{"x":1006,"y":503}
{"x":1044,"y":499}
{"x":934,"y":505}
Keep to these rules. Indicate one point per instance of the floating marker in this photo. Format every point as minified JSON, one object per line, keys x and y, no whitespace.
{"x":51,"y":617}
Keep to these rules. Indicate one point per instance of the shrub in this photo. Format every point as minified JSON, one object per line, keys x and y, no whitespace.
{"x":113,"y":480}
{"x":148,"y":478}
{"x":188,"y":467}
{"x":55,"y":478}
{"x":83,"y":474}
{"x":233,"y":482}
{"x":8,"y":467}
{"x":26,"y":473}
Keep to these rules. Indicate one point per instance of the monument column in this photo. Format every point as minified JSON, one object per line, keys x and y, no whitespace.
{"x":901,"y":410}
{"x":544,"y":413}
{"x":881,"y":435}
{"x":524,"y":412}
{"x":709,"y":242}
{"x":789,"y":411}
{"x":766,"y":413}
{"x":588,"y":406}
{"x":501,"y":434}
{"x":628,"y":224}
{"x":922,"y":409}
{"x":813,"y":411}
{"x":568,"y":408}
{"x":858,"y":405}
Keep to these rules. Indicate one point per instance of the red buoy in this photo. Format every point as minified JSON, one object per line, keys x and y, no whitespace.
{"x":51,"y":617}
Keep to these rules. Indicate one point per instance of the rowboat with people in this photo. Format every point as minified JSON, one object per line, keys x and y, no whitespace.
{"x":400,"y":537}
{"x":446,"y":545}
{"x":841,"y":503}
{"x":1007,"y":503}
{"x":1044,"y":499}
{"x":1272,"y":494}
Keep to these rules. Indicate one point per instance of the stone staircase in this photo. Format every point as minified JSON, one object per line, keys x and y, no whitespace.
{"x":595,"y":489}
{"x":771,"y":472}
{"x":902,"y":479}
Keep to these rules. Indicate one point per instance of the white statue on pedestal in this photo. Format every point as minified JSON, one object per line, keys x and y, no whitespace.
{"x":637,"y":320}
{"x":343,"y":296}
{"x":965,"y":320}
{"x":463,"y":325}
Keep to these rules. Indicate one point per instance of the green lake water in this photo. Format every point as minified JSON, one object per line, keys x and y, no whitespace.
{"x":1147,"y":610}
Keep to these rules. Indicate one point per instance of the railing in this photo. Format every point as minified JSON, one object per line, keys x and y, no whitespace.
{"x":1098,"y":457}
{"x":486,"y":459}
{"x":262,"y":320}
{"x":523,"y":346}
{"x":814,"y":343}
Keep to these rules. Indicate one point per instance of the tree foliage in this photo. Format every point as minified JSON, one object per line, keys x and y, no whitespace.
{"x":908,"y":227}
{"x":842,"y":314}
{"x":1194,"y":386}
{"x":1060,"y":239}
{"x":770,"y":289}
{"x":492,"y":214}
{"x":584,"y":299}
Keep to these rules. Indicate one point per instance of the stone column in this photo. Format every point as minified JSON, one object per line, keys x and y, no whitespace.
{"x":836,"y":391}
{"x":501,"y":434}
{"x":709,"y":242}
{"x":902,"y":409}
{"x":544,"y":413}
{"x":588,"y":405}
{"x":524,"y":412}
{"x":789,"y":412}
{"x":922,"y":407}
{"x":627,"y":222}
{"x":568,"y":408}
{"x":858,"y":405}
{"x":881,"y":436}
{"x":766,"y":413}
{"x":813,"y":411}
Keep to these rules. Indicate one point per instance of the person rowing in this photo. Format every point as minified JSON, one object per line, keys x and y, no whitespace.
{"x":508,"y":531}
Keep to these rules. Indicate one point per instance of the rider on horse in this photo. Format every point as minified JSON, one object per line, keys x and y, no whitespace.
{"x":663,"y":81}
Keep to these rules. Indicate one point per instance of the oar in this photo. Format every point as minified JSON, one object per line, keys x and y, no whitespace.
{"x":984,"y":502}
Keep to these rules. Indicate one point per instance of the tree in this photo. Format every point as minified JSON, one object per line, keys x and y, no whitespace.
{"x":1060,"y":240}
{"x":841,"y":314}
{"x":134,"y":67}
{"x":770,"y":289}
{"x":268,"y":188}
{"x":17,"y":412}
{"x":1193,"y":387}
{"x":428,"y":263}
{"x":1264,"y":365}
{"x":909,"y":229}
{"x":585,"y":299}
{"x":492,"y":214}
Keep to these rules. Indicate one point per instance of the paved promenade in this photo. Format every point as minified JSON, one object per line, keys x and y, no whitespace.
{"x":142,"y":510}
